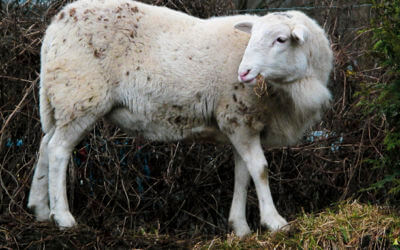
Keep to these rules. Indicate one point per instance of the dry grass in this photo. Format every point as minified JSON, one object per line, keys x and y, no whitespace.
{"x":349,"y":225}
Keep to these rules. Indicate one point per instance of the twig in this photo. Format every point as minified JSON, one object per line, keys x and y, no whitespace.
{"x":16,"y":110}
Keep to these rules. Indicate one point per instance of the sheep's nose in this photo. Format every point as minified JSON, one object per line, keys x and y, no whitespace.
{"x":244,"y":74}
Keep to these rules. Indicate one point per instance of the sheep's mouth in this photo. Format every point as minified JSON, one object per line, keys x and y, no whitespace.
{"x":255,"y":80}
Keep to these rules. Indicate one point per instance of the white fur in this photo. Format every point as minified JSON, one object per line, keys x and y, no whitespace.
{"x":170,"y":76}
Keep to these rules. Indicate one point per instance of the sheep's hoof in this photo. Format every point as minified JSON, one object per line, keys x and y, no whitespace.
{"x":41,"y":212}
{"x":241,"y":229}
{"x":276,"y":223}
{"x":63,"y":220}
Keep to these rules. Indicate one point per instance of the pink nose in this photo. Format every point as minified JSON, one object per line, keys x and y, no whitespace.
{"x":244,"y":74}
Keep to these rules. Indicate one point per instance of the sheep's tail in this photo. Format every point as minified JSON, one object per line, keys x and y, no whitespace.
{"x":46,"y":110}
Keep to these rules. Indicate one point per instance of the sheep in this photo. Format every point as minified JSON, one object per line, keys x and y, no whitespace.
{"x":169,"y":76}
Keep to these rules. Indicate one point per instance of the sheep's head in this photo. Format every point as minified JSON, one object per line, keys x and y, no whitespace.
{"x":279,"y":48}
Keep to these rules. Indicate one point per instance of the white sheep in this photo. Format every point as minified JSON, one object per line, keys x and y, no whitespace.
{"x":170,"y":76}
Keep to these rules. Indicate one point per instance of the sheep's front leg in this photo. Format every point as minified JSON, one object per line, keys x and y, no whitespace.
{"x":237,"y":214}
{"x":250,"y":150}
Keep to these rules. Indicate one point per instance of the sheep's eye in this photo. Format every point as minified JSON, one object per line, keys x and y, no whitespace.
{"x":281,"y":40}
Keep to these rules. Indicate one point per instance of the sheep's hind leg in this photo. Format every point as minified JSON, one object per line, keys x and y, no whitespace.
{"x":250,"y":150}
{"x":60,"y":147}
{"x":237,"y":214}
{"x":39,"y":194}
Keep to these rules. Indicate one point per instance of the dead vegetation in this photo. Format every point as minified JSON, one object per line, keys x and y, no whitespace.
{"x":347,"y":225}
{"x":130,"y":193}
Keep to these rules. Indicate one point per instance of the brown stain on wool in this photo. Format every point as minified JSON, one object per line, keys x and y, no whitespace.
{"x":234,"y":98}
{"x":72,"y":12}
{"x":234,"y":121}
{"x":62,"y":14}
{"x":97,"y":53}
{"x":264,"y":174}
{"x":198,"y":96}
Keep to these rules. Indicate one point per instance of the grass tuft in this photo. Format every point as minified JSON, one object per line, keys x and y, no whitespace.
{"x":348,"y":225}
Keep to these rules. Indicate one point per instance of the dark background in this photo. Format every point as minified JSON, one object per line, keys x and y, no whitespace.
{"x":123,"y":191}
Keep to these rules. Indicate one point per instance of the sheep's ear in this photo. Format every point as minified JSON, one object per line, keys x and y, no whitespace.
{"x":300,"y":34}
{"x":244,"y":26}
